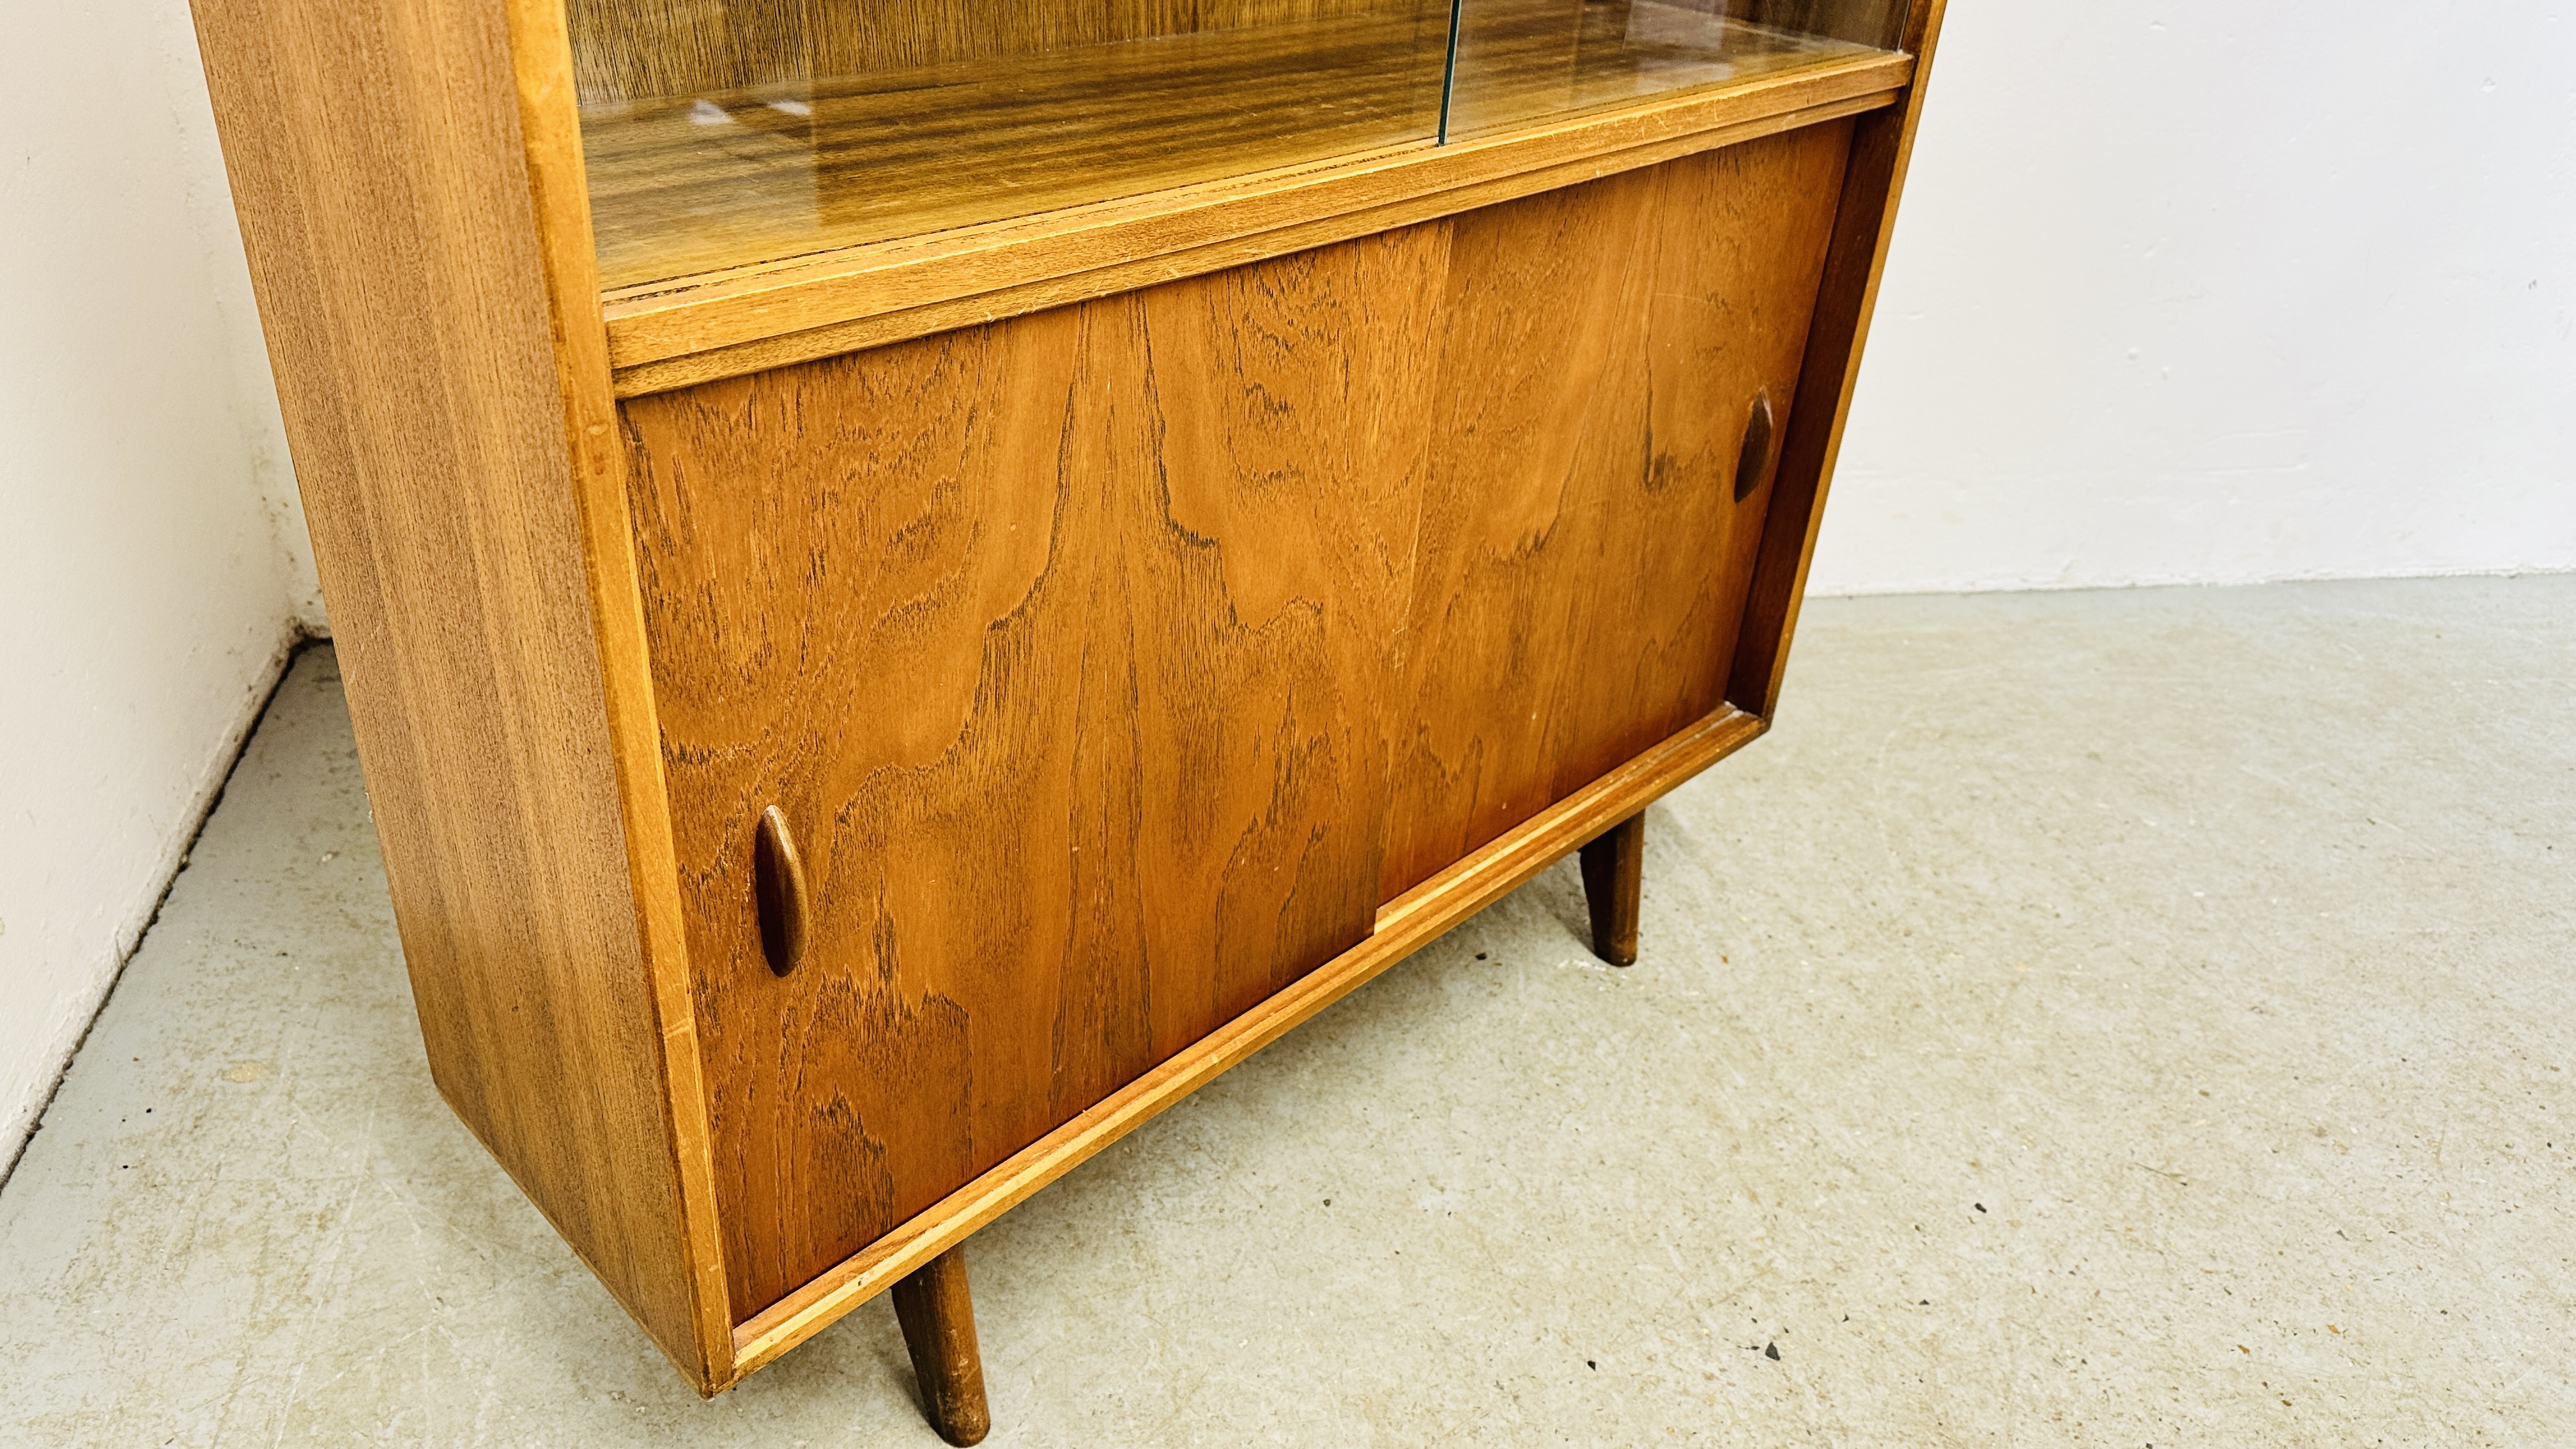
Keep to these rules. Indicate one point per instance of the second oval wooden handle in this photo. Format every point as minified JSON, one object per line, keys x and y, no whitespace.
{"x":1755,"y":459}
{"x":778,"y":892}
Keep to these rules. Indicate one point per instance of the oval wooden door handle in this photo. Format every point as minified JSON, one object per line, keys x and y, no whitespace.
{"x":778,"y":892}
{"x":1755,"y":459}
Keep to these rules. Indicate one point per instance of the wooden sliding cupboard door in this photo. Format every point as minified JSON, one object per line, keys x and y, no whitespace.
{"x":1032,"y":633}
{"x":1600,"y":479}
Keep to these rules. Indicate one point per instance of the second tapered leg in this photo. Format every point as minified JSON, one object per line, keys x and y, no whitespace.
{"x":1614,"y":873}
{"x":939,"y":1328}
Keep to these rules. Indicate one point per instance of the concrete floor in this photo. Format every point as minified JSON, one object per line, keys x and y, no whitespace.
{"x":2125,"y":1019}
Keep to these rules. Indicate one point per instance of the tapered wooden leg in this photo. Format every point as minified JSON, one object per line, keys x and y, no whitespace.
{"x":1614,"y":871}
{"x":939,"y":1327}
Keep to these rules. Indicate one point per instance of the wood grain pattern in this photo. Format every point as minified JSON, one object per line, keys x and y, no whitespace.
{"x":1036,"y":629}
{"x":646,"y":49}
{"x":1584,"y":553}
{"x":1064,"y":646}
{"x":429,"y":395}
{"x":1865,"y":222}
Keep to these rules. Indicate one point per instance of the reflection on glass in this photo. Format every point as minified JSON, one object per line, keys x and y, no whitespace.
{"x":1521,"y":61}
{"x":725,"y":132}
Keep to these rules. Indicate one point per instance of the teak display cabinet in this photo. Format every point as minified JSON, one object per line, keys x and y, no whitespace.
{"x":916,"y":580}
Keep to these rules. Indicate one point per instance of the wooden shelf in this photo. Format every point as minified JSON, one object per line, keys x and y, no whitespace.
{"x":702,"y":184}
{"x":753,"y":235}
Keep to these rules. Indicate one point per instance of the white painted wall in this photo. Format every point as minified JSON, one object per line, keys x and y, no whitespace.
{"x":151,"y":566}
{"x":2197,"y":291}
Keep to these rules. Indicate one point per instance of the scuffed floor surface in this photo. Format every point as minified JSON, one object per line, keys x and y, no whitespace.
{"x":2122,"y":1019}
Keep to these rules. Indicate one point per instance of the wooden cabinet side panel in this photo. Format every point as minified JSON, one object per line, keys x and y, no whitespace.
{"x":376,"y":162}
{"x":1864,"y":224}
{"x":1064,"y":646}
{"x":1584,"y":554}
